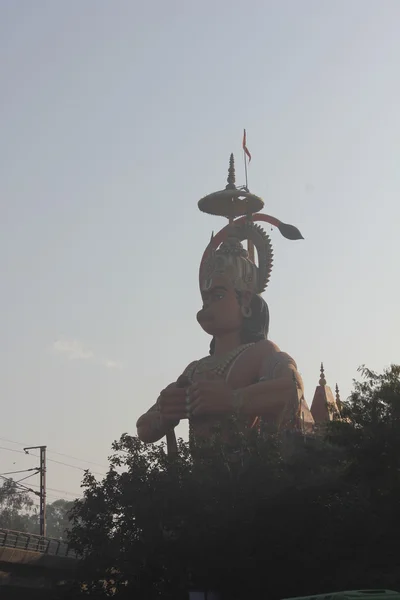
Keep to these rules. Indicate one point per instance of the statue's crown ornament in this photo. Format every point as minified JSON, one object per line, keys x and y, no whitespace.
{"x":225,"y":253}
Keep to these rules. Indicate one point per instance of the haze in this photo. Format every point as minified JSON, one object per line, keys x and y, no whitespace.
{"x":116,"y":117}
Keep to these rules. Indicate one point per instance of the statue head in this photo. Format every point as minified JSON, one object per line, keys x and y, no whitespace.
{"x":226,"y":310}
{"x":230,"y":283}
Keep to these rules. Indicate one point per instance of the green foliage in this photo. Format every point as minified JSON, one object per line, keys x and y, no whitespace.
{"x":14,"y":507}
{"x":57,"y":519}
{"x":17,"y":512}
{"x":371,"y":431}
{"x":270,"y":516}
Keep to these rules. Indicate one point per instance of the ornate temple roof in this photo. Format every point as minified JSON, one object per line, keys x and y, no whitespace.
{"x":325,"y":406}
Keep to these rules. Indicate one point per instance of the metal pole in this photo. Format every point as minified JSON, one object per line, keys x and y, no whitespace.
{"x":43,"y":491}
{"x":245,"y":171}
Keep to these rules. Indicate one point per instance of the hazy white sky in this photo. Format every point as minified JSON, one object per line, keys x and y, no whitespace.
{"x":115,"y":118}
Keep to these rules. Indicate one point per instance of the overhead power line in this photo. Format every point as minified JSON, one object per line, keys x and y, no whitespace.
{"x":61,"y":491}
{"x":27,"y":477}
{"x":58,"y":462}
{"x":90,"y":462}
{"x":24,"y":488}
{"x":23,"y":471}
{"x":12,"y":450}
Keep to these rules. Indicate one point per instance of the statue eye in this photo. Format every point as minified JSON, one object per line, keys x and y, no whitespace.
{"x":219,"y":295}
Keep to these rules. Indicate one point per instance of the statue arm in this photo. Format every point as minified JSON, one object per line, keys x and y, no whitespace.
{"x":275,"y":394}
{"x":152,"y":426}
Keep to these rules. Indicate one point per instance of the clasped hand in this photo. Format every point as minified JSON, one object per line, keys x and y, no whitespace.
{"x":201,"y":398}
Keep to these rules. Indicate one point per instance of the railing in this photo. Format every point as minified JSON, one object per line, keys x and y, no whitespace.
{"x":35,"y":543}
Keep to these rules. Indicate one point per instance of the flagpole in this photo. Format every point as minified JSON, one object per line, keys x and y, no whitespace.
{"x":245,"y":169}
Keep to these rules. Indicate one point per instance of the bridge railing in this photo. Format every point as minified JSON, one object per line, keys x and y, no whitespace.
{"x":35,"y":543}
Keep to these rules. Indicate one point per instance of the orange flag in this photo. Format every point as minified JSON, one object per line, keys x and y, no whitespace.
{"x":245,"y":149}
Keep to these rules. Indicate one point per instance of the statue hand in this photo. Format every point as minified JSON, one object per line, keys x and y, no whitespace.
{"x":210,"y":398}
{"x":172,"y":403}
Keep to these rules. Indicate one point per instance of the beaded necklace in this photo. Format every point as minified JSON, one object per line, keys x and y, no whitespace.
{"x":215,"y":364}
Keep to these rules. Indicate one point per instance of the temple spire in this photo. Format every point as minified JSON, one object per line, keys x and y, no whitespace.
{"x":231,"y":174}
{"x":322,"y":380}
{"x":324,"y":405}
{"x":338,"y":400}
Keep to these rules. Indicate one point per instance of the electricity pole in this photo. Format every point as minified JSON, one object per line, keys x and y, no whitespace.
{"x":42,"y":493}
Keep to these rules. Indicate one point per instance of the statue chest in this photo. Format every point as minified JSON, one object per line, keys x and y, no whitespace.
{"x":237,"y":368}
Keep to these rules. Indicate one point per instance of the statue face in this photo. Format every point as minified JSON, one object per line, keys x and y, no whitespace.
{"x":241,"y":271}
{"x":221,"y":312}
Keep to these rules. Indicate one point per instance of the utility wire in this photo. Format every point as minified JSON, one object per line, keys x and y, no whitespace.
{"x":36,"y":469}
{"x":89,"y":462}
{"x":24,"y":488}
{"x":59,"y":454}
{"x":23,"y":471}
{"x":61,"y":491}
{"x":58,"y":462}
{"x":31,"y":475}
{"x":12,"y":450}
{"x":19,"y":485}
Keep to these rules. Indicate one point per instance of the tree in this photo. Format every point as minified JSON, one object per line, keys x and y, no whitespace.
{"x":18,"y":512}
{"x":164,"y":526}
{"x":370,"y":436}
{"x":270,"y":516}
{"x":369,"y":430}
{"x":15,"y":506}
{"x":57,"y":519}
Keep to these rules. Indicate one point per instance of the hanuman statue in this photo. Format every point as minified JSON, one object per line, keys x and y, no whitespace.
{"x":245,"y":375}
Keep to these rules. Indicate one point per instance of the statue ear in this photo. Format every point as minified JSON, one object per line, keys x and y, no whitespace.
{"x":246,"y":298}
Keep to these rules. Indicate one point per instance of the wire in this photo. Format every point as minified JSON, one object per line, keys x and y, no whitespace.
{"x":90,"y":462}
{"x":58,"y":462}
{"x":56,"y":490}
{"x":23,"y":471}
{"x":12,"y":442}
{"x":11,"y":450}
{"x":53,"y":498}
{"x":24,"y":488}
{"x":27,"y":477}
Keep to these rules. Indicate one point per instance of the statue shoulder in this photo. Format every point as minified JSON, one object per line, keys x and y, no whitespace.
{"x":274,"y":362}
{"x":266,"y":348}
{"x":188,"y":372}
{"x":269,"y":348}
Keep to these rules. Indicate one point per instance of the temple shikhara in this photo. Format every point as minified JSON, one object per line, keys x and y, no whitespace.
{"x":245,"y":376}
{"x":325,"y":406}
